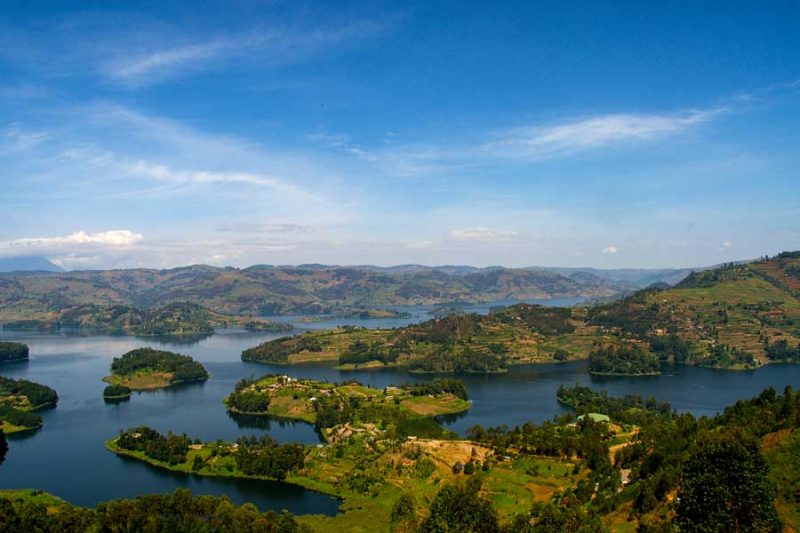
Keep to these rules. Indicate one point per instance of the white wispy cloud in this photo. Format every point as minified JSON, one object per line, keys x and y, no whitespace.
{"x":568,"y":137}
{"x":482,"y":234}
{"x":263,"y":47}
{"x":592,"y":132}
{"x":611,"y":249}
{"x":18,"y":138}
{"x":724,"y":246}
{"x":164,"y":59}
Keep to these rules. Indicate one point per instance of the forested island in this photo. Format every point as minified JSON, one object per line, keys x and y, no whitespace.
{"x":646,"y":468}
{"x":146,"y":368}
{"x":328,"y":405}
{"x":116,"y":392}
{"x":18,"y":399}
{"x":13,"y":351}
{"x":624,"y":360}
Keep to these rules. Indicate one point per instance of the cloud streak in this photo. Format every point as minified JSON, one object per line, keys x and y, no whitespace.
{"x":482,"y":234}
{"x":593,"y":132}
{"x":110,"y":238}
{"x":266,"y":48}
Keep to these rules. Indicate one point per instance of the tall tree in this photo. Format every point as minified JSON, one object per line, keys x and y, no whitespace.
{"x":725,"y":487}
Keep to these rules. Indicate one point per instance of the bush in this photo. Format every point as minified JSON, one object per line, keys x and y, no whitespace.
{"x":13,"y":351}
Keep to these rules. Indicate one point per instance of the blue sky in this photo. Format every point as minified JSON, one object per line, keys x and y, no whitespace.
{"x":607,"y":134}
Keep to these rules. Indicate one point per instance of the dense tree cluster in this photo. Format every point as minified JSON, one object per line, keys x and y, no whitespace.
{"x":458,"y":359}
{"x":182,"y":367}
{"x":179,"y":512}
{"x":726,"y":487}
{"x":633,"y":314}
{"x":38,"y":395}
{"x":543,"y":319}
{"x":17,"y":417}
{"x":452,"y":386}
{"x":724,"y":355}
{"x":169,"y":448}
{"x":670,"y":348}
{"x":13,"y":351}
{"x":116,"y":391}
{"x":265,"y":457}
{"x":458,"y":508}
{"x":279,"y":350}
{"x":628,"y":359}
{"x":360,"y":352}
{"x":626,"y":409}
{"x":247,"y":401}
{"x":781,"y":351}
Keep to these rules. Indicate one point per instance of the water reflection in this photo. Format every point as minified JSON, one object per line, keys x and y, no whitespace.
{"x":176,"y":340}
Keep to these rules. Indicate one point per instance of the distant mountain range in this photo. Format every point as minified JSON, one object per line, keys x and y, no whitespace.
{"x":29,"y":263}
{"x":307,"y":289}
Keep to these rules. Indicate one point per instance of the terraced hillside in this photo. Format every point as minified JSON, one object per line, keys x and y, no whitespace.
{"x":522,"y":333}
{"x":735,"y":316}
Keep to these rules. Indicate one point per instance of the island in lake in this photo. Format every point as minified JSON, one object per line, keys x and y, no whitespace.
{"x":328,"y":405}
{"x":116,"y":392}
{"x":13,"y":351}
{"x":18,"y":399}
{"x":146,"y":368}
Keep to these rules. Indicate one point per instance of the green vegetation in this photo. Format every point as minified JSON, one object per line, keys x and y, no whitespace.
{"x":736,"y":316}
{"x":339,"y":410}
{"x":647,"y":468}
{"x":13,"y":351}
{"x":252,"y":457}
{"x":457,"y":343}
{"x":18,"y":398}
{"x":145,"y":368}
{"x":625,"y":360}
{"x":726,"y":487}
{"x":34,"y":510}
{"x":116,"y":392}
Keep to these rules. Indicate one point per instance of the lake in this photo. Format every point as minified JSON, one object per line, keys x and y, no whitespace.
{"x":67,"y":457}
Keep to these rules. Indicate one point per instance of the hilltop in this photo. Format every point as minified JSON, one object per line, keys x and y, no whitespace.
{"x":734,"y":316}
{"x":274,"y":290}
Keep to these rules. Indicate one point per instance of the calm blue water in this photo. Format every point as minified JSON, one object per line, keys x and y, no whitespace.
{"x":67,"y":457}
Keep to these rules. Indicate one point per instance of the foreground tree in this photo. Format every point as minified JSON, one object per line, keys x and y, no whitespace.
{"x":725,"y":487}
{"x":461,"y":509}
